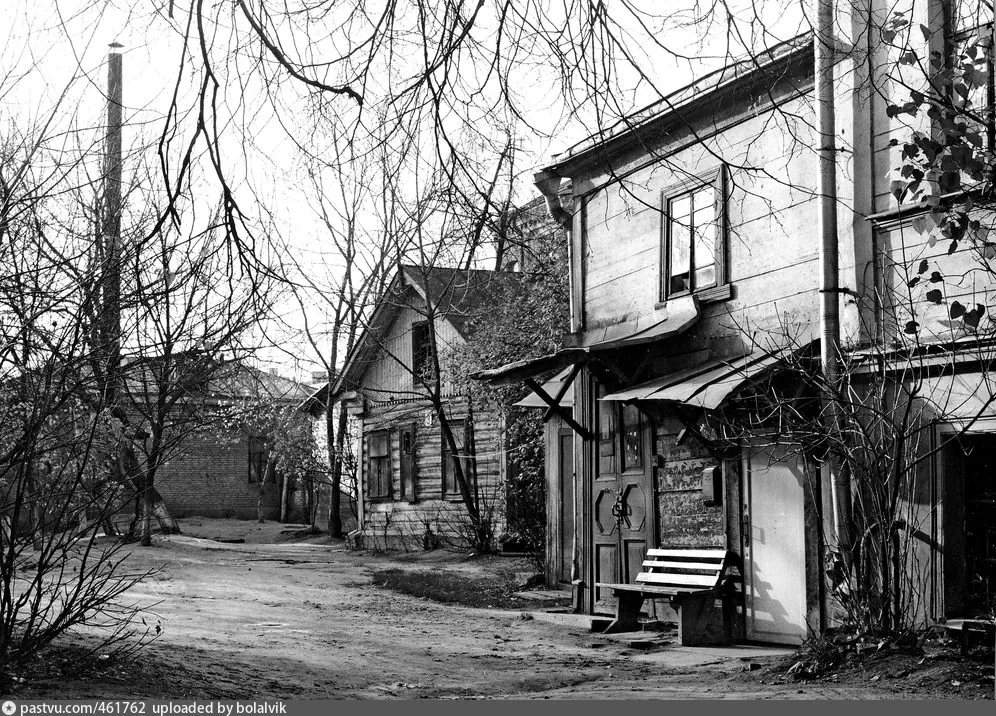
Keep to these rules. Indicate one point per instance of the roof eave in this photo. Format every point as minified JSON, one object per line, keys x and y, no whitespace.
{"x":596,"y":146}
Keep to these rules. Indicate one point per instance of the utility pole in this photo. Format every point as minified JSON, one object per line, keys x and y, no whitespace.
{"x":824,"y":46}
{"x":109,"y":316}
{"x":110,"y":328}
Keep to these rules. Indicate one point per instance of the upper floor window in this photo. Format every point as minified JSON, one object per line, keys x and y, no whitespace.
{"x":421,"y":350}
{"x":693,"y":250}
{"x":969,"y":132}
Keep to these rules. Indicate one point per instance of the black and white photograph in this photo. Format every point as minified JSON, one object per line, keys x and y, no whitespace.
{"x":504,"y":350}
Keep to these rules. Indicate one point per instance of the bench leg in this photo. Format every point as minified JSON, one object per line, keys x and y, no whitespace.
{"x":697,"y":619}
{"x":627,"y":613}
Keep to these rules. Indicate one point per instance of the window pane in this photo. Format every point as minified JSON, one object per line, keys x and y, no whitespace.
{"x":449,"y":459}
{"x":704,"y":224}
{"x":421,"y":350}
{"x":379,"y":444}
{"x":379,"y":476}
{"x":606,"y":438}
{"x":632,"y":432}
{"x":968,"y":14}
{"x":679,"y":250}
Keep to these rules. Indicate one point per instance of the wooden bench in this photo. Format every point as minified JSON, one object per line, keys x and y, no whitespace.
{"x":692,"y":579}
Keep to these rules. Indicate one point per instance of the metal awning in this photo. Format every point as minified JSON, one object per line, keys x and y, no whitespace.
{"x":706,"y":385}
{"x":520,"y":370}
{"x":553,"y":387}
{"x":680,"y":315}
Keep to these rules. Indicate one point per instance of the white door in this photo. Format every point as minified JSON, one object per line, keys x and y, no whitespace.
{"x":774,"y":546}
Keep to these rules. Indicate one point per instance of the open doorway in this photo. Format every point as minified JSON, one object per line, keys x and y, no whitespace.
{"x":970,"y":526}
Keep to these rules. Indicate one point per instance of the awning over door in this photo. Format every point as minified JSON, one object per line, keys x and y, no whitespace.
{"x":705,"y":386}
{"x":666,"y":323}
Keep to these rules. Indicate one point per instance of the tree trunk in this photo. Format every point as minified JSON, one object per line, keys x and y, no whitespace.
{"x":335,"y":518}
{"x":35,"y":514}
{"x":146,"y":518}
{"x":148,"y":501}
{"x":283,"y":498}
{"x":266,"y":478}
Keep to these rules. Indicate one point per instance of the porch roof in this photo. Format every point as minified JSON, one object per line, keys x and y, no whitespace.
{"x":671,"y":322}
{"x":706,"y":385}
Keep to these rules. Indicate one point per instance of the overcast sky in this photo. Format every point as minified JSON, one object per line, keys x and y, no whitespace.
{"x":54,"y":59}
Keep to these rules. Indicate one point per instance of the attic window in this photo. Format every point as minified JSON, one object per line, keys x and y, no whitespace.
{"x":421,"y":351}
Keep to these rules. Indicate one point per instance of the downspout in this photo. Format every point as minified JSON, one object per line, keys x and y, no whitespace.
{"x":823,"y":51}
{"x":548,"y":184}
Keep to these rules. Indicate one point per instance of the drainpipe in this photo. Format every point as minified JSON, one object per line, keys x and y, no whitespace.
{"x":548,"y":184}
{"x":823,"y":50}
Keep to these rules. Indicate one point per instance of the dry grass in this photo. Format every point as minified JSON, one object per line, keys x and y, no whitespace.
{"x":451,"y":587}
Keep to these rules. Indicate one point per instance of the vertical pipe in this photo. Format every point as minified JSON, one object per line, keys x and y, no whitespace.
{"x":823,"y":50}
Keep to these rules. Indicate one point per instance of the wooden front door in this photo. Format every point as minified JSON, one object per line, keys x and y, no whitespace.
{"x":774,"y":546}
{"x":622,"y":498}
{"x":969,"y":525}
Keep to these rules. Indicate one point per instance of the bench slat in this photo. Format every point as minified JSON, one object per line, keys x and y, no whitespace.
{"x":651,"y":589}
{"x":702,"y":566}
{"x":718,"y":554}
{"x":696,"y":580}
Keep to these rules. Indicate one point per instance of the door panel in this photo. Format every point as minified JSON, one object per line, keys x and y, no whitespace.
{"x":774,"y":547}
{"x":605,"y":569}
{"x":622,"y":508}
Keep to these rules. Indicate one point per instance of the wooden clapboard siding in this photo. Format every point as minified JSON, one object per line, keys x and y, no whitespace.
{"x":388,"y":375}
{"x":772,"y":240}
{"x":401,"y":521}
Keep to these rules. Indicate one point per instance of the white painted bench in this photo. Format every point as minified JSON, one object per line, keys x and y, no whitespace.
{"x":692,"y":580}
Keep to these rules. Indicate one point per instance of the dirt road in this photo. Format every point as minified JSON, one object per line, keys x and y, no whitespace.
{"x":304,"y":621}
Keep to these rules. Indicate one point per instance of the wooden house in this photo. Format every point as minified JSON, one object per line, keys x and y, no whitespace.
{"x":694,"y":269}
{"x":408,"y":494}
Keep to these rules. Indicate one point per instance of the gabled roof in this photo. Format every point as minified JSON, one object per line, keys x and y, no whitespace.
{"x":208,"y":376}
{"x":459,"y":294}
{"x":456,"y":295}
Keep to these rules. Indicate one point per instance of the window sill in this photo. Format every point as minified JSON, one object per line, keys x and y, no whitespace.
{"x":710,"y":295}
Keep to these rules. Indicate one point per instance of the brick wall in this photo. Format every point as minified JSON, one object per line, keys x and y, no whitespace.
{"x":210,"y":477}
{"x":685,"y":520}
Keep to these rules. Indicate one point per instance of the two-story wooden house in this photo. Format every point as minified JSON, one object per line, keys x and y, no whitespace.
{"x":695,"y":271}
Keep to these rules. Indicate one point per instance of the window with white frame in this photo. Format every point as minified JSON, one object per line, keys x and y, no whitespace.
{"x":693,"y":244}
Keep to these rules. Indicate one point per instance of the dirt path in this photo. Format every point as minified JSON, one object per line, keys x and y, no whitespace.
{"x":303,"y":621}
